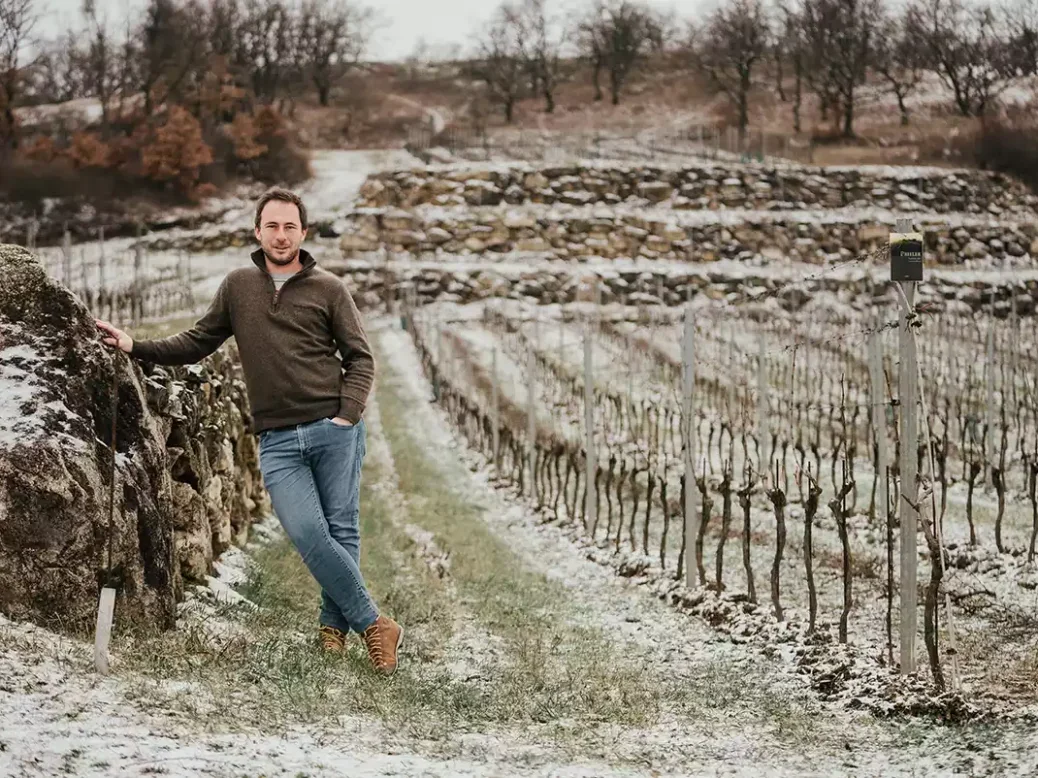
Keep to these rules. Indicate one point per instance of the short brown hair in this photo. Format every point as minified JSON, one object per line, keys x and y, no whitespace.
{"x":285,"y":196}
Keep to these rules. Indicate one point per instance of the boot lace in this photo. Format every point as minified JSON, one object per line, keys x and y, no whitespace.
{"x":372,"y":639}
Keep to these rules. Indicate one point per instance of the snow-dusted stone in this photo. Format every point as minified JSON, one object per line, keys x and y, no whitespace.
{"x":175,"y":427}
{"x":655,"y":191}
{"x":55,"y":416}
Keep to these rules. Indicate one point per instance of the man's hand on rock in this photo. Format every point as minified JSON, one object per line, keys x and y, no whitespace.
{"x":114,"y":337}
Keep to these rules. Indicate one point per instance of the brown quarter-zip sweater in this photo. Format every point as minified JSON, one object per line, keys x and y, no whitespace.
{"x":287,"y":339}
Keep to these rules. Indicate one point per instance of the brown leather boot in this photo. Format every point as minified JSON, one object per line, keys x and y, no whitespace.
{"x":332,"y":640}
{"x":383,"y":639}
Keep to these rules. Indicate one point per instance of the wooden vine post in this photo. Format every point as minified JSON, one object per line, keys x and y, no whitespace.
{"x":531,"y":415}
{"x":688,"y":387}
{"x":66,"y":258}
{"x":763,"y":428}
{"x":589,"y":430}
{"x":495,"y":413}
{"x":906,"y":269}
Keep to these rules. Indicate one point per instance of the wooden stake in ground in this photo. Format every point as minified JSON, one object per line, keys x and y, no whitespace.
{"x":102,"y":280}
{"x":908,"y":391}
{"x":890,"y":571}
{"x":66,"y":258}
{"x":531,"y":415}
{"x":106,"y":603}
{"x":763,"y":431}
{"x":688,"y":388}
{"x":495,"y":412}
{"x":138,"y":263}
{"x":989,"y":399}
{"x":590,"y":519}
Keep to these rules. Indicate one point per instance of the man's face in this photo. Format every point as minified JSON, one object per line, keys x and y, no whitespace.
{"x":280,"y":232}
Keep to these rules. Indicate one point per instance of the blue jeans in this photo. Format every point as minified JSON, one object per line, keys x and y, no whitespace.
{"x":312,"y":472}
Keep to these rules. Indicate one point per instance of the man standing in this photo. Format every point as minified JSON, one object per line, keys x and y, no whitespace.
{"x":289,"y":318}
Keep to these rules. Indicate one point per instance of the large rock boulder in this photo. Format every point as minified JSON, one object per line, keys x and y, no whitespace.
{"x":187,"y":478}
{"x":57,"y":535}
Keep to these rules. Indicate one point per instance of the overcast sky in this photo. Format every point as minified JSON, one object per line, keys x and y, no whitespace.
{"x":439,"y":23}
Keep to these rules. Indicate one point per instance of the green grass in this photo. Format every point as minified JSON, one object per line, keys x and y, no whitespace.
{"x":546,"y":671}
{"x":554,"y":670}
{"x":160,"y":329}
{"x":275,"y":674}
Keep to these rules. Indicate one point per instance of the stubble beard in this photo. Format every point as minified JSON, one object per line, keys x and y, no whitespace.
{"x":281,"y":262}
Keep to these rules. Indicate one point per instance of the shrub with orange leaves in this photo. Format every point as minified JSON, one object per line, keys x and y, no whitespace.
{"x":40,"y":149}
{"x":283,"y":162}
{"x":88,"y":150}
{"x":243,"y":131}
{"x":269,"y":122}
{"x":176,"y":152}
{"x":203,"y":191}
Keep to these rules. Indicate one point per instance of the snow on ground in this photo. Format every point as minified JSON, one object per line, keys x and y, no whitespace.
{"x":998,"y":590}
{"x":728,"y":217}
{"x":619,"y":153}
{"x":85,"y":109}
{"x":619,"y":607}
{"x":339,"y":174}
{"x":58,"y":717}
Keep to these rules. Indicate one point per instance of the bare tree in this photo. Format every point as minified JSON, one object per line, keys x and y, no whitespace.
{"x":779,"y":56}
{"x":267,"y":39}
{"x":1022,"y":22}
{"x":791,"y":34}
{"x":500,"y":63}
{"x":967,"y":46}
{"x":332,"y":36}
{"x":541,"y":36}
{"x":100,"y":61}
{"x":17,"y":21}
{"x":223,"y":23}
{"x":170,"y":50}
{"x":615,"y":37}
{"x":734,"y":40}
{"x":57,"y":74}
{"x":840,"y":36}
{"x":898,"y":57}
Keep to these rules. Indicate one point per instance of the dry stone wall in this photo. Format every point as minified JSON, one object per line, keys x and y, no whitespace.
{"x":552,"y":283}
{"x":703,"y":186}
{"x":187,"y":481}
{"x":810,"y":237}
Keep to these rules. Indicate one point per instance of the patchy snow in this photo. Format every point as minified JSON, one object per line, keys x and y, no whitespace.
{"x":339,"y":174}
{"x":86,"y":109}
{"x":58,"y":717}
{"x":590,"y":163}
{"x":24,"y":411}
{"x":728,"y":217}
{"x":621,"y":607}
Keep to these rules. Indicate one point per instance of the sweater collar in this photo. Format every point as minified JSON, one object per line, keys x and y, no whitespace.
{"x":259,"y":259}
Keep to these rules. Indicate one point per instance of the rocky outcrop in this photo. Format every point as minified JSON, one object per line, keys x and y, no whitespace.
{"x":810,"y":237}
{"x":703,"y":186}
{"x":186,"y":474}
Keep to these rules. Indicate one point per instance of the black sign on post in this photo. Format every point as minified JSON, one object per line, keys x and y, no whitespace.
{"x":906,"y":256}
